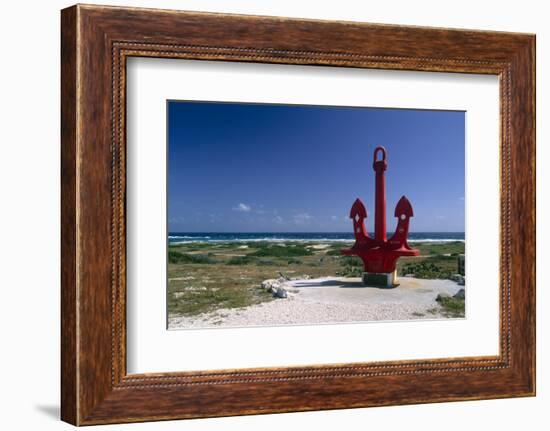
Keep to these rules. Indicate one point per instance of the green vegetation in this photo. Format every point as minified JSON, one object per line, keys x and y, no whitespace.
{"x":425,"y":269}
{"x":196,"y":301}
{"x":178,"y":257}
{"x":276,"y":250}
{"x":439,"y":247}
{"x":452,"y":307}
{"x":352,"y":266}
{"x":436,"y":260}
{"x":205,"y":277}
{"x":241,"y":260}
{"x":350,"y":271}
{"x":353,"y":261}
{"x":192,"y":246}
{"x":335,"y":248}
{"x":267,"y":262}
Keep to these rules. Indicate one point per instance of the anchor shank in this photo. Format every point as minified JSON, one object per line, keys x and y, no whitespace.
{"x":380,"y":215}
{"x":379,"y":167}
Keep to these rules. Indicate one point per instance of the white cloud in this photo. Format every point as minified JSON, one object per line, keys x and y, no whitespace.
{"x":278,"y":219}
{"x":242,"y":208}
{"x":302,"y":218}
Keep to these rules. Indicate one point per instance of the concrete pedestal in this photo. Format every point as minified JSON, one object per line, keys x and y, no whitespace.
{"x":380,"y":279}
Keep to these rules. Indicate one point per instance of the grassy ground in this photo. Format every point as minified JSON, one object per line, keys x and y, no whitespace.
{"x":204,"y":277}
{"x":452,"y":307}
{"x":437,"y":260}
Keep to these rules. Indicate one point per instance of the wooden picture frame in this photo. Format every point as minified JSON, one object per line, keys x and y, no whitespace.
{"x":95,"y":43}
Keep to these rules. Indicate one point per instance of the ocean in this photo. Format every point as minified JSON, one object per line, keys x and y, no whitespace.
{"x":184,"y":237}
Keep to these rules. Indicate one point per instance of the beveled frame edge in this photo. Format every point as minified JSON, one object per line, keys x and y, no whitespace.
{"x":96,"y":41}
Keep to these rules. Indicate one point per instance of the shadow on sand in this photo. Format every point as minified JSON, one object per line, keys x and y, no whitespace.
{"x":335,"y":283}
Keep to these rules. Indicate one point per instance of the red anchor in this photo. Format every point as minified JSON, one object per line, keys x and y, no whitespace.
{"x":379,"y":254}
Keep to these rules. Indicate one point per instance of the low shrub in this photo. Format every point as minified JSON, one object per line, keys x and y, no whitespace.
{"x":178,"y":257}
{"x":240,"y":260}
{"x":276,"y":250}
{"x":351,"y":261}
{"x":265,"y":262}
{"x":350,"y":271}
{"x":452,"y":306}
{"x":425,"y":269}
{"x":352,"y":266}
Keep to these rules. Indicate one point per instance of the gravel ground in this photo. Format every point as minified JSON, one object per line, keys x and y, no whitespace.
{"x":332,"y":300}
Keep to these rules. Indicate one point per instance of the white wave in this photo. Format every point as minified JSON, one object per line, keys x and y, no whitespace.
{"x":186,"y":237}
{"x":437,"y":240}
{"x":194,"y":239}
{"x":266,"y":239}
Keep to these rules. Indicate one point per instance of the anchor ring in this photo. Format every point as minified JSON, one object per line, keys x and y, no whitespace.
{"x":378,"y":150}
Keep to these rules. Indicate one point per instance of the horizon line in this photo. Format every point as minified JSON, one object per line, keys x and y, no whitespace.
{"x":211,"y":232}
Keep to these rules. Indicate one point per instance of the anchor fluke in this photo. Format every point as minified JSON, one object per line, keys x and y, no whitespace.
{"x":403,"y":207}
{"x":358,"y":209}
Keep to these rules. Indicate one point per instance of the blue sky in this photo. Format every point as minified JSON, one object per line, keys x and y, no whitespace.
{"x":293,"y":168}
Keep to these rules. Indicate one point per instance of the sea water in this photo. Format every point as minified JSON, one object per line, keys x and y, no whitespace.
{"x":179,"y":237}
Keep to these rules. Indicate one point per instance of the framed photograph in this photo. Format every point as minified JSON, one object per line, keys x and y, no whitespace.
{"x":285,"y":225}
{"x":265,"y":215}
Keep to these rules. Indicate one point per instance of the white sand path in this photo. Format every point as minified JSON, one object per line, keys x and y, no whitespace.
{"x":332,"y":300}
